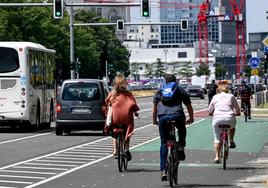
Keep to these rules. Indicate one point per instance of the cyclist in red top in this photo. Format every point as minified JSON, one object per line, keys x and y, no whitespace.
{"x":245,"y":95}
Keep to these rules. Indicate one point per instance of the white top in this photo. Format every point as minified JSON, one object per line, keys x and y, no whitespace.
{"x":223,"y":105}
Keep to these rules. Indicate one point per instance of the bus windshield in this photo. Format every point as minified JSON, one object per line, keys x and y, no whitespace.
{"x":9,"y":60}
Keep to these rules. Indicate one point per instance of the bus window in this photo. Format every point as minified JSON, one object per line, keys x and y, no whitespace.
{"x":9,"y":60}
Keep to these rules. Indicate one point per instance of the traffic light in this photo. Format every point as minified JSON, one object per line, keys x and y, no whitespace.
{"x":72,"y":65}
{"x":145,"y":8}
{"x":184,"y":24}
{"x":58,"y":9}
{"x":266,"y":62}
{"x":120,"y":25}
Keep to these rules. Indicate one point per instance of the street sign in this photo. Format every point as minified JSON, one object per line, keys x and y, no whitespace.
{"x":265,"y":41}
{"x":266,"y":49}
{"x":254,"y":72}
{"x":254,"y":62}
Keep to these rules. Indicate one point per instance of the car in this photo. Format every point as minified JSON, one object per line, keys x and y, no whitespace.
{"x":81,"y":105}
{"x":195,"y":91}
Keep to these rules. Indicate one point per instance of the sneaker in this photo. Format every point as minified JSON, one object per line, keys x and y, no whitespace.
{"x":232,"y":145}
{"x":181,"y":154}
{"x":128,"y":155}
{"x":164,"y":176}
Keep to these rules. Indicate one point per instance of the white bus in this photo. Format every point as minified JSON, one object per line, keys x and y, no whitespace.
{"x":27,"y":84}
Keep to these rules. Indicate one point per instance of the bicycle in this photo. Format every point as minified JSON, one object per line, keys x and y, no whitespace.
{"x":246,"y":110}
{"x":119,"y":134}
{"x":172,"y":157}
{"x":224,"y":143}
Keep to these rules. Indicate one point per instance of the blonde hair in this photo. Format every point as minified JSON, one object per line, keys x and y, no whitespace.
{"x":223,"y":86}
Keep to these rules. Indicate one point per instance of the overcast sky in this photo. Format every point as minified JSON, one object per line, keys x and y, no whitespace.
{"x":256,"y":15}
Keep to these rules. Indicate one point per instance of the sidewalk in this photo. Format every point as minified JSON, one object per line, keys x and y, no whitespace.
{"x":261,"y":179}
{"x":259,"y":112}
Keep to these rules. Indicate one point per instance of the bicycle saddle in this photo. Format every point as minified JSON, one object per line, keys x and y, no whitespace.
{"x":223,"y":126}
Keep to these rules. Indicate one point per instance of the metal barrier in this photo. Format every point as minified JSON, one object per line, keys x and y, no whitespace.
{"x":261,"y":98}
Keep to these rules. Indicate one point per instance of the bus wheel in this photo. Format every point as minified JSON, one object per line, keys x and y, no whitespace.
{"x":59,"y":130}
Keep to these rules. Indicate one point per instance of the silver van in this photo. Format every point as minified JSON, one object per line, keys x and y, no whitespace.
{"x":81,"y":105}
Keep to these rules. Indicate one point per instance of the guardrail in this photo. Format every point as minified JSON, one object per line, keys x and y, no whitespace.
{"x":261,"y":97}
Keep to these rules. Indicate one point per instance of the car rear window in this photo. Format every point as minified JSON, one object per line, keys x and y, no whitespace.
{"x":81,"y":91}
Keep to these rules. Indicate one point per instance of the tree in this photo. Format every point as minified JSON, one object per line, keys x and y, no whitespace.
{"x":186,"y":71}
{"x":159,"y":68}
{"x":149,"y":72}
{"x":35,"y":24}
{"x":203,"y":69}
{"x":220,"y":70}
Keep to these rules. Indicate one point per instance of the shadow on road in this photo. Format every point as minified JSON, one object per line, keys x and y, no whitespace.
{"x":202,"y":185}
{"x":135,"y":170}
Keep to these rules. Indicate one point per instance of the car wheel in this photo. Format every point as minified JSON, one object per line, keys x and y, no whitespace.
{"x":59,"y":130}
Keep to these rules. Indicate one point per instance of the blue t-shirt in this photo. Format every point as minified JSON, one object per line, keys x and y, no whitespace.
{"x":180,"y":96}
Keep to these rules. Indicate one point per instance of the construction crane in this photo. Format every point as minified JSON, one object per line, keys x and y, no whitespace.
{"x":240,"y":34}
{"x":202,"y":18}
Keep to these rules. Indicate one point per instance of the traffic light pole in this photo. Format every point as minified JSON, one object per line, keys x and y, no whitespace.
{"x":71,"y":40}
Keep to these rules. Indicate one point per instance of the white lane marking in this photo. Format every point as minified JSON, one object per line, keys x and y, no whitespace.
{"x":23,"y":138}
{"x":189,"y":125}
{"x":23,"y":177}
{"x":29,"y":172}
{"x":70,"y":158}
{"x":51,"y":154}
{"x":57,"y":161}
{"x":40,"y":168}
{"x":49,"y":164}
{"x":20,"y":182}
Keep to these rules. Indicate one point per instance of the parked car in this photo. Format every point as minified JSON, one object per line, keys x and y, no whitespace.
{"x":80,"y":105}
{"x":195,"y":91}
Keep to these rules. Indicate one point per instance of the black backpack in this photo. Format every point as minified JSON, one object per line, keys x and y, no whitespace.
{"x":212,"y":89}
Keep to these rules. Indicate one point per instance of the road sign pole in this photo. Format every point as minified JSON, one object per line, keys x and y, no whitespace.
{"x":71,"y":39}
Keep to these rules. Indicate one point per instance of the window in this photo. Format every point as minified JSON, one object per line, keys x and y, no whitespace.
{"x":81,"y":91}
{"x":9,"y":60}
{"x":182,"y":54}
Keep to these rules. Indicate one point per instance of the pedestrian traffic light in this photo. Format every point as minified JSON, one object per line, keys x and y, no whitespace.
{"x":72,"y":65}
{"x":58,"y":9}
{"x":184,"y":24}
{"x":145,"y":8}
{"x":120,"y":25}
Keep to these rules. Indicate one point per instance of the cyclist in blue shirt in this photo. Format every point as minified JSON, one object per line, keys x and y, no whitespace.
{"x":172,"y":111}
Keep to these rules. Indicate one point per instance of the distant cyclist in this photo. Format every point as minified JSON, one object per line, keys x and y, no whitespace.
{"x":166,"y":109}
{"x":245,"y":95}
{"x":212,"y":90}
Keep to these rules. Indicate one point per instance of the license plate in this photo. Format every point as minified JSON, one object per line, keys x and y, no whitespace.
{"x":81,"y":110}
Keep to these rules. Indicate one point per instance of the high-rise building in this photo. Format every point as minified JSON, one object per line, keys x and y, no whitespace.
{"x":218,"y":31}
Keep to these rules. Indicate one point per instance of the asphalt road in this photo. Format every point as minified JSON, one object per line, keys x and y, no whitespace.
{"x":83,"y":159}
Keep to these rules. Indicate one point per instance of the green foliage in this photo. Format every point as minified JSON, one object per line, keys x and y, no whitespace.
{"x":220,"y":70}
{"x":203,"y":69}
{"x":93,"y":46}
{"x":186,"y":71}
{"x":159,"y":68}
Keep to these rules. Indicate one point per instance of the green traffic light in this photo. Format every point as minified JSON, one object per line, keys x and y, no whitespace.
{"x":58,"y":13}
{"x":145,"y":13}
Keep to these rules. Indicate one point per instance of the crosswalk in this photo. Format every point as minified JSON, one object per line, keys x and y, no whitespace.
{"x":42,"y":169}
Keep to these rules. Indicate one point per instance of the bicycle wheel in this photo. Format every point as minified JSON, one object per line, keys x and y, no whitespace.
{"x":246,"y":112}
{"x":225,"y":154}
{"x":170,"y":170}
{"x":125,"y":161}
{"x":176,"y":173}
{"x":120,"y":151}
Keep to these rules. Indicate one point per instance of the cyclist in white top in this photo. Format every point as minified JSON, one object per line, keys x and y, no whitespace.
{"x":224,"y":108}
